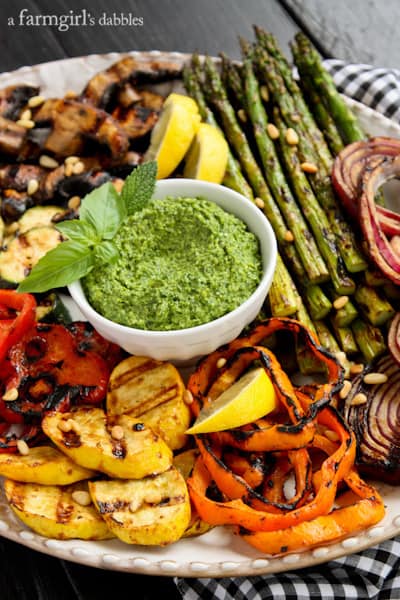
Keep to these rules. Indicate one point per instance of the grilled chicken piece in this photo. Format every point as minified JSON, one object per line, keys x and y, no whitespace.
{"x":150,"y":511}
{"x":129,"y":95}
{"x":94,"y":444}
{"x":44,"y":465}
{"x":14,"y":98}
{"x":12,"y":137}
{"x":151,"y":100}
{"x":103,"y":87}
{"x":53,"y":512}
{"x":135,"y":121}
{"x":153,"y":391}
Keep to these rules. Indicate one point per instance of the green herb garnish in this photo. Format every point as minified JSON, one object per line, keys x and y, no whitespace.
{"x":90,"y":237}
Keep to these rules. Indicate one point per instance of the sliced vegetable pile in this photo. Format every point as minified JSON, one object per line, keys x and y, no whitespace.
{"x":241,"y":474}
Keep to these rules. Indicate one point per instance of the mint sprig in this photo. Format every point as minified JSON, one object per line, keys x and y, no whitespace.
{"x":90,"y":237}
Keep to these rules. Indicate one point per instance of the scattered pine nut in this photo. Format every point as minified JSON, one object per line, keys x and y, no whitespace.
{"x":23,"y":447}
{"x":117,"y":433}
{"x":221,"y":362}
{"x":48,"y":162}
{"x":26,"y":115}
{"x":344,"y":392}
{"x":359,"y":399}
{"x":65,"y":426}
{"x":272,"y":131}
{"x":356,"y":368}
{"x":71,"y":160}
{"x":78,"y":167}
{"x":81,"y":497}
{"x":259,"y":202}
{"x":331,"y":435}
{"x":375,"y":378}
{"x":187,"y":397}
{"x":68,"y":170}
{"x":342,"y":358}
{"x":26,"y":123}
{"x":134,"y":505}
{"x":264,"y":93}
{"x":33,"y":186}
{"x":289,"y":237}
{"x":74,"y":202}
{"x":291,"y":137}
{"x":35,"y":101}
{"x":309,"y":167}
{"x":242,"y":115}
{"x":340,"y":302}
{"x":10,"y":395}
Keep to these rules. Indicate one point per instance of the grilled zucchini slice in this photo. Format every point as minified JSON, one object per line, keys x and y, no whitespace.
{"x":45,"y":465}
{"x":153,"y":391}
{"x":93,"y":443}
{"x":152,"y":511}
{"x":184,"y":462}
{"x":52,"y":512}
{"x":39,"y":216}
{"x":25,"y":250}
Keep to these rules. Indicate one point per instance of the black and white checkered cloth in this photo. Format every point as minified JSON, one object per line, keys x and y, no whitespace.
{"x":377,"y":88}
{"x":375,"y":573}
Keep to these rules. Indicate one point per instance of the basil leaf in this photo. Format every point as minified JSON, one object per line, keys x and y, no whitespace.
{"x":106,"y":252}
{"x":104,"y":209}
{"x":139,"y":187}
{"x":82,"y":232}
{"x":62,"y":265}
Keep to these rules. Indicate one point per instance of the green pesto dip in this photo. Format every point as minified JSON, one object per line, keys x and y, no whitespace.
{"x":183,"y":262}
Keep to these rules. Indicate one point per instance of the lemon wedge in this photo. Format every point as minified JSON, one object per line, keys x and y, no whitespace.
{"x":248,"y":399}
{"x":173,"y":133}
{"x":207,"y":156}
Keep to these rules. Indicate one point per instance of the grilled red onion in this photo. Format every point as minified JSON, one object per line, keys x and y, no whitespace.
{"x":394,"y":338}
{"x":348,"y":171}
{"x":376,"y":422}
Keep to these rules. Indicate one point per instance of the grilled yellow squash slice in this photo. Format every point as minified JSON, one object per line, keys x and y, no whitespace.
{"x":153,"y":391}
{"x":117,"y":445}
{"x":43,"y":464}
{"x":51,"y":511}
{"x":184,"y":462}
{"x":153,"y":511}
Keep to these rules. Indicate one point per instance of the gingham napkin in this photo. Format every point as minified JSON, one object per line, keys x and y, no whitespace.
{"x":375,"y":573}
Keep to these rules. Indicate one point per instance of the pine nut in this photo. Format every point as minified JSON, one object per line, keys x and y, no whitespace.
{"x":134,"y":505}
{"x":187,"y":397}
{"x":341,"y":358}
{"x":340,"y":302}
{"x":23,"y":447}
{"x":259,"y":202}
{"x":48,"y":162}
{"x":344,"y":392}
{"x":375,"y":378}
{"x":308,"y":167}
{"x":10,"y":395}
{"x":35,"y":101}
{"x":68,"y":170}
{"x":71,"y":160}
{"x":33,"y":186}
{"x":81,"y":497}
{"x":242,"y":115}
{"x":331,"y":435}
{"x":291,"y":137}
{"x":359,"y":399}
{"x":70,"y":94}
{"x":356,"y":369}
{"x":289,"y":237}
{"x":221,"y":362}
{"x":264,"y":93}
{"x":272,"y":131}
{"x":74,"y":202}
{"x":26,"y":115}
{"x":117,"y":433}
{"x":78,"y":168}
{"x":26,"y":123}
{"x":65,"y":426}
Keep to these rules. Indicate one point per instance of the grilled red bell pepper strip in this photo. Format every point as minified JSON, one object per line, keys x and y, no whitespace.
{"x":17,"y":316}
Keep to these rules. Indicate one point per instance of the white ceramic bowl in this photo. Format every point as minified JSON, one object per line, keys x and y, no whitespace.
{"x":186,"y":345}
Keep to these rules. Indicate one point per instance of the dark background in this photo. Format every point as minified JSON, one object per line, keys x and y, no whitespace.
{"x":356,"y":31}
